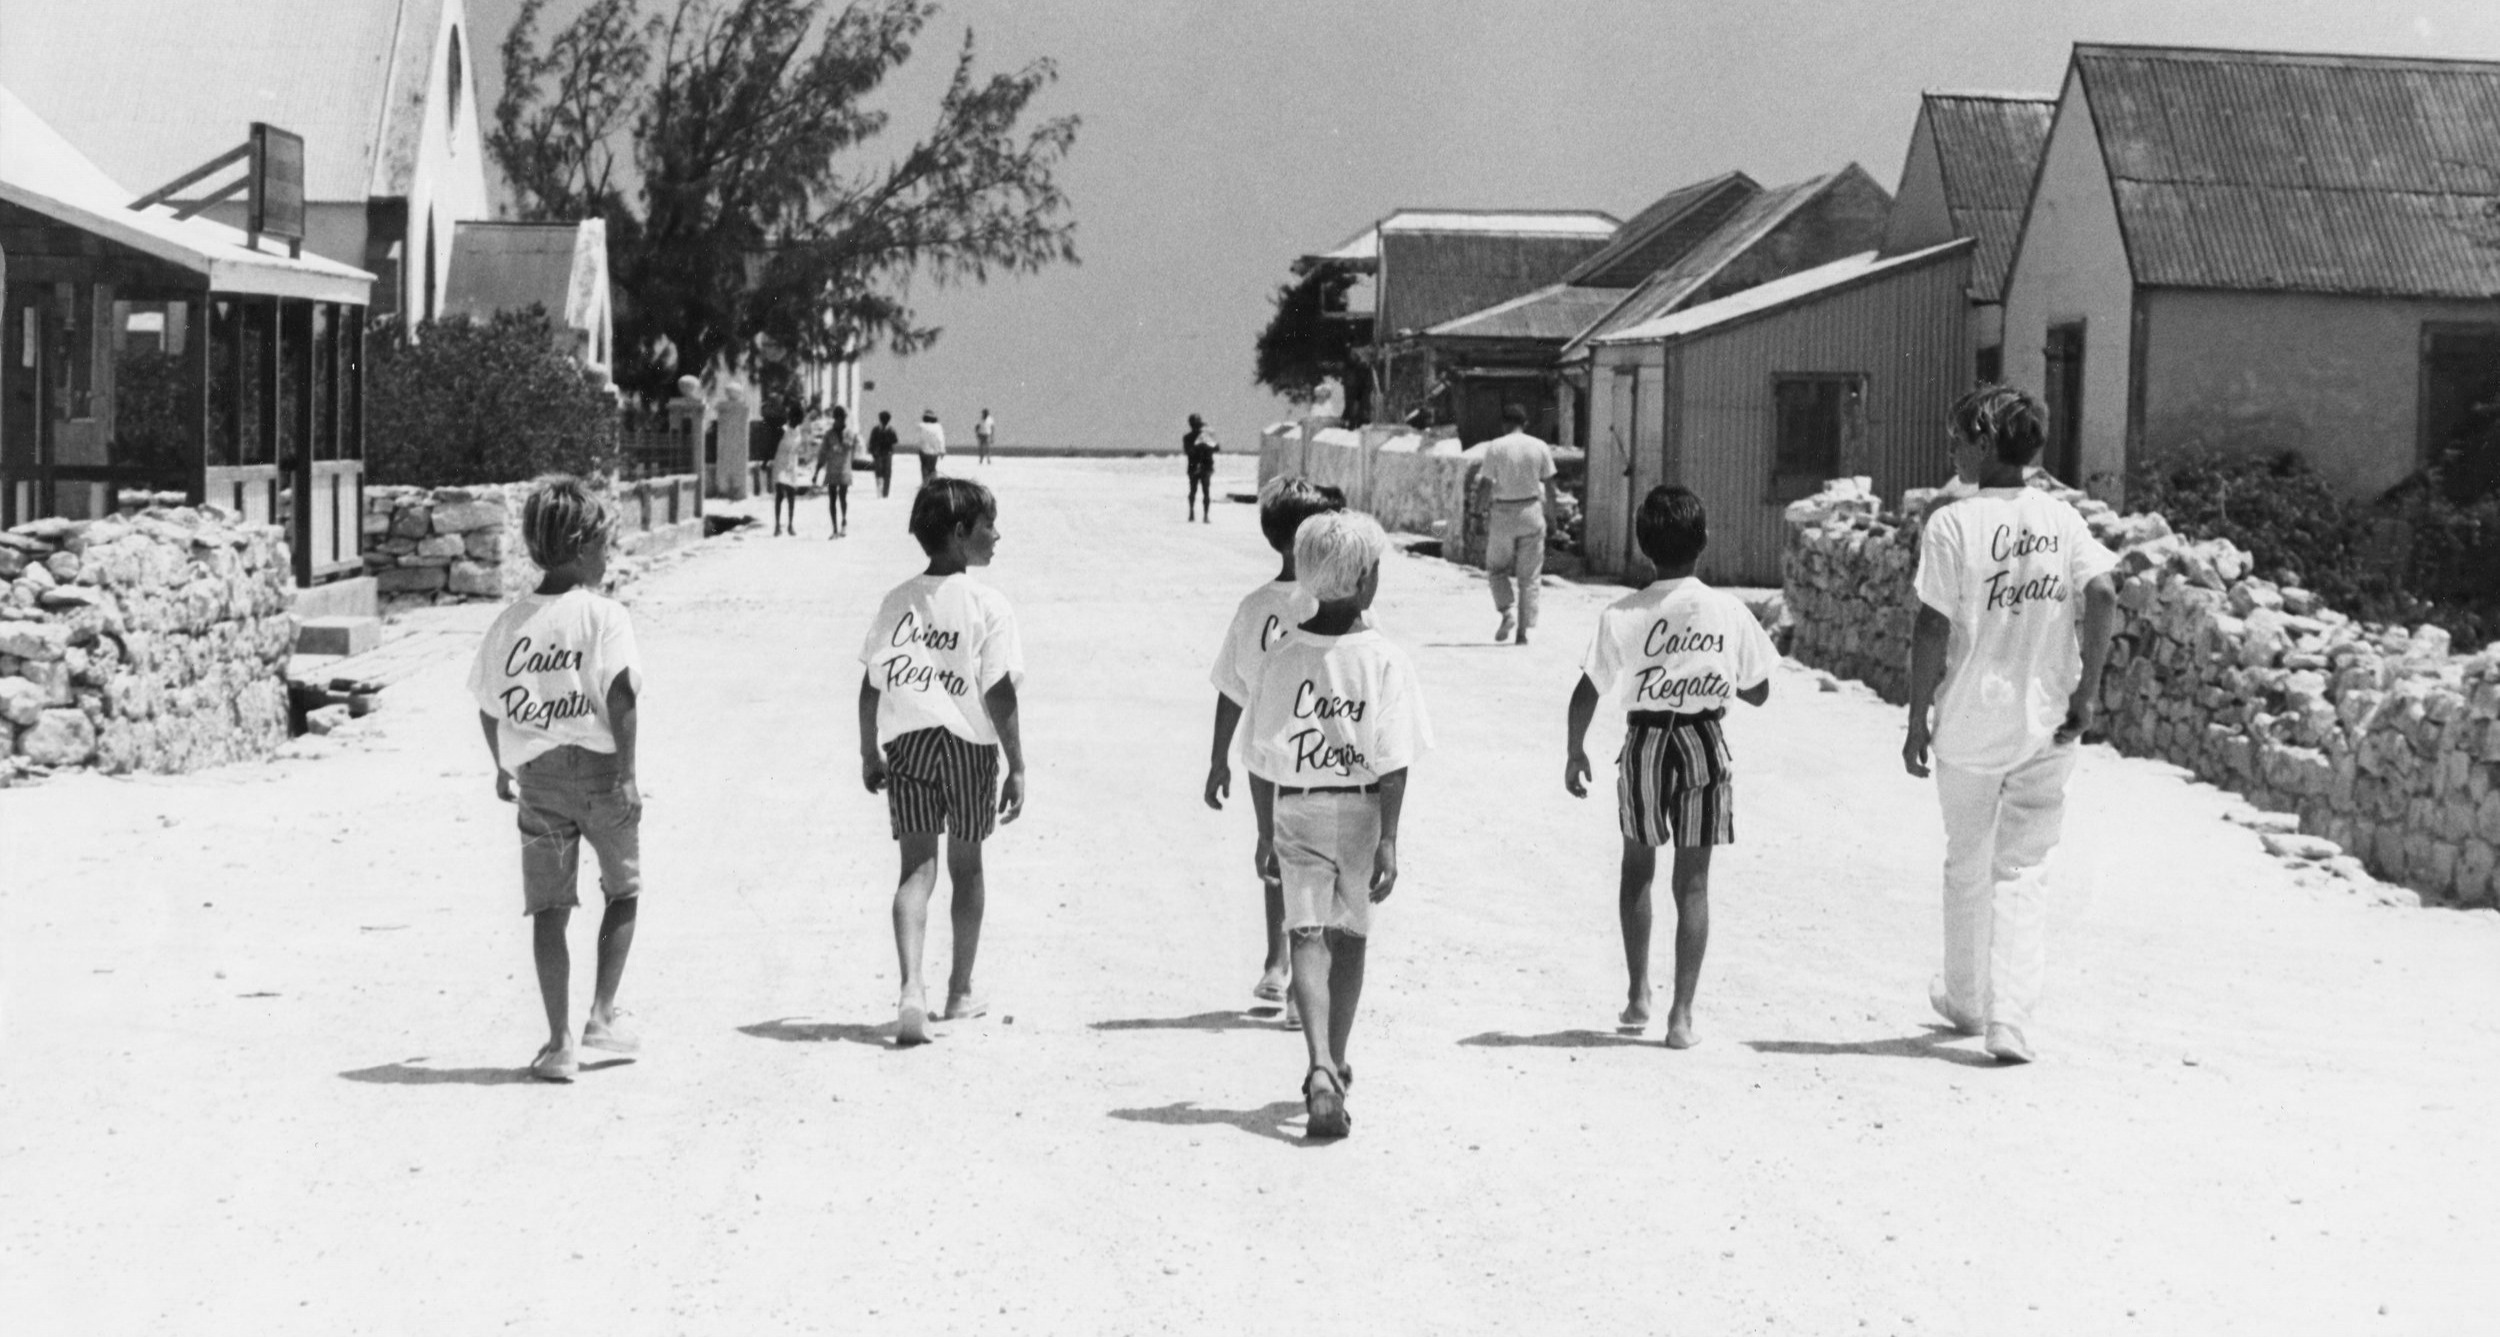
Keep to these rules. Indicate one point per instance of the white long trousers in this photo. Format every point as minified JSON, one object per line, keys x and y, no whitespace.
{"x":1998,"y":831}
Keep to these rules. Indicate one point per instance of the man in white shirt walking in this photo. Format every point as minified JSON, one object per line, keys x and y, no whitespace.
{"x":1520,"y":469}
{"x":2013,"y":685}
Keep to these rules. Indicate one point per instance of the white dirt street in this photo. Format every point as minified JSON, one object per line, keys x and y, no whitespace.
{"x":264,"y":1026}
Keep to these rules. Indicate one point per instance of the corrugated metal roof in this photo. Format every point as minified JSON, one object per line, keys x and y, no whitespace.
{"x":1764,"y":298}
{"x":2289,"y":172}
{"x":1507,"y":222}
{"x":1988,"y":149}
{"x":1427,"y":277}
{"x":508,"y":266}
{"x":1665,"y":231}
{"x":151,"y":89}
{"x":1556,"y":312}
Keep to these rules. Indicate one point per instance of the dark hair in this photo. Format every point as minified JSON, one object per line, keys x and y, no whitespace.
{"x":884,"y":416}
{"x":946,"y":505}
{"x":1514,"y":415}
{"x":1672,"y":527}
{"x":2013,"y":424}
{"x":1287,"y":502}
{"x":561,"y":518}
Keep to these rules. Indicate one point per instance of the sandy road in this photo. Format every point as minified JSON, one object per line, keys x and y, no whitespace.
{"x":263,"y":1026}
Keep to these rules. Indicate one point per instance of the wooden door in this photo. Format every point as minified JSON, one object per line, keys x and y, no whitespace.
{"x":2064,"y":456}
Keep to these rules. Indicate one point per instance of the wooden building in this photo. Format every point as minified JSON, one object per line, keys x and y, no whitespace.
{"x":1968,"y":174}
{"x":2261,"y":251}
{"x":560,"y":268}
{"x":142,"y":353}
{"x":1753,"y":400}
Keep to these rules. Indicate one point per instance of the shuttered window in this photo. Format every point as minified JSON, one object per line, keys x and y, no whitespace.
{"x":1815,"y":418}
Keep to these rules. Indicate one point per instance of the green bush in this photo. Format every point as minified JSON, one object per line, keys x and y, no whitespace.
{"x":491,"y":402}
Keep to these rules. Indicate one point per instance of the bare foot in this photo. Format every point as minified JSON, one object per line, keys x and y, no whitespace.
{"x":1636,"y":1014}
{"x":1680,"y":1031}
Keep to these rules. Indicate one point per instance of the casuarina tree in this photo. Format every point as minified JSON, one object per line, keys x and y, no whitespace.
{"x":731,"y":149}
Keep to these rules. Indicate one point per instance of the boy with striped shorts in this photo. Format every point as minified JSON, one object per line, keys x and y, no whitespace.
{"x":937,"y":708}
{"x":1671,"y":655}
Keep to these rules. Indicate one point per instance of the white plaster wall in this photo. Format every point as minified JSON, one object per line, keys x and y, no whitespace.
{"x":448,"y":185}
{"x":1919,"y":218}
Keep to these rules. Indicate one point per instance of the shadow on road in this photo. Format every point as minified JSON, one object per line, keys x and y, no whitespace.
{"x":795,"y":1031}
{"x":410,"y":1074}
{"x":1930,"y":1043}
{"x":1573,"y":1039}
{"x":1267,"y":1121}
{"x":1200,"y":1021}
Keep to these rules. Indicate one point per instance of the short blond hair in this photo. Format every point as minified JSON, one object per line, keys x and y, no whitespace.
{"x":562,"y":517}
{"x":1333,"y":550}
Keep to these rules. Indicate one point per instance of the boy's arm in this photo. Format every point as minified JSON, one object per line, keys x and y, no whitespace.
{"x":1385,"y":860}
{"x":1756,"y":694}
{"x":1576,"y":735}
{"x":623,"y":722}
{"x":871,"y":760}
{"x":1219,"y":765}
{"x":1001,"y":701}
{"x":2100,"y":621}
{"x":494,"y":749}
{"x":1927,"y":646}
{"x":1263,"y":807}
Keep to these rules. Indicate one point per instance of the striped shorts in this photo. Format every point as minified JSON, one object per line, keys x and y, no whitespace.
{"x":1674,"y":784}
{"x":938,"y":782}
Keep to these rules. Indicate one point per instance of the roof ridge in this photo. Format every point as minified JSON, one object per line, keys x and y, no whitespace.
{"x":2219,"y":54}
{"x":1978,"y":95}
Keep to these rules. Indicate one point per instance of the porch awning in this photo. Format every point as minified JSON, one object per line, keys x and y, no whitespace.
{"x":45,"y":173}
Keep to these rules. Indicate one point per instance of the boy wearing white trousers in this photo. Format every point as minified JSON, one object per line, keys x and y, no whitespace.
{"x":2012,"y":682}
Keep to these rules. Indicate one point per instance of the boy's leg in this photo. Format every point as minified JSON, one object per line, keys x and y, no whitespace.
{"x":1313,"y":966}
{"x":963,"y":868}
{"x":1345,"y":992}
{"x":1692,"y":938}
{"x":2030,"y":817}
{"x":1632,"y":906}
{"x":1969,"y":802}
{"x":1528,"y":566}
{"x":555,"y":973}
{"x":616,"y":941}
{"x":911,"y":910}
{"x":1497,"y":559}
{"x":1278,"y":968}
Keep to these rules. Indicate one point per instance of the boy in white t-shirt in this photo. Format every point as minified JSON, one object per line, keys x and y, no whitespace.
{"x":1265,"y":616}
{"x":1332,"y":722}
{"x":557,"y":683}
{"x":1997,"y":653}
{"x":937,"y":705}
{"x":794,"y":467}
{"x":1671,"y":655}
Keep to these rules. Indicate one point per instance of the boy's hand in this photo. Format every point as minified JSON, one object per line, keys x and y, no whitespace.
{"x":1576,"y":774}
{"x":1219,"y":784}
{"x":1914,"y":748}
{"x":631,"y":794}
{"x":2082,"y":712}
{"x":1011,"y":797}
{"x":503,"y":785}
{"x":1384,"y":870}
{"x":1263,"y":857}
{"x":872,"y":772}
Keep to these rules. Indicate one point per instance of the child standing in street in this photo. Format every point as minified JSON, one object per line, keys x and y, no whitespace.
{"x":1264,"y":618}
{"x":1334,"y":719}
{"x":1198,"y":451}
{"x":1671,"y":656}
{"x":557,"y":681}
{"x":937,"y":707}
{"x":833,"y":464}
{"x":794,"y":466}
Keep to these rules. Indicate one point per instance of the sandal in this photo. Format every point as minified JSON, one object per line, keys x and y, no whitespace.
{"x":1326,"y":1103}
{"x":1269,"y":991}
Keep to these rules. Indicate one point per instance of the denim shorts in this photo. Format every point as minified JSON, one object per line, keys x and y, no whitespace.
{"x":566,"y":797}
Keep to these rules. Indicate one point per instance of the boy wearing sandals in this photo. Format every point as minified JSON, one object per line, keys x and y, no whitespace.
{"x":1264,"y":618}
{"x":1671,"y":655}
{"x":1332,"y":722}
{"x":937,"y":708}
{"x":557,"y":681}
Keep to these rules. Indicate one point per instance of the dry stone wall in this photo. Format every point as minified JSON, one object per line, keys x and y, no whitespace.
{"x":2384,"y":741}
{"x":452,"y":544}
{"x":151,"y":642}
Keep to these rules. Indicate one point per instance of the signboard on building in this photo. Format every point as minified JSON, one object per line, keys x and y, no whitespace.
{"x":277,"y":184}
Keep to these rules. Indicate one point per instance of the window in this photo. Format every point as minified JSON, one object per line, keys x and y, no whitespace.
{"x":1815,"y":422}
{"x":2460,"y":383}
{"x":454,"y":81}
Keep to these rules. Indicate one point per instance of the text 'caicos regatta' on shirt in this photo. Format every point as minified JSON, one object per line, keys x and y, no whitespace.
{"x":1677,"y":645}
{"x":544,"y":669}
{"x":937,"y":644}
{"x":1262,"y":620}
{"x":1334,"y":711}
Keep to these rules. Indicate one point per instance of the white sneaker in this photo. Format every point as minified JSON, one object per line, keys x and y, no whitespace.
{"x":1937,"y":998}
{"x":2008,"y":1043}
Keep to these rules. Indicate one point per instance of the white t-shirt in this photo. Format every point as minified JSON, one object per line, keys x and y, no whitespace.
{"x":1516,"y":465}
{"x":938,"y":643}
{"x":1333,"y":711}
{"x":794,"y":460}
{"x":1263,"y":619}
{"x":932,"y":438}
{"x":2007,"y":566}
{"x":544,"y":670}
{"x":1677,"y":645}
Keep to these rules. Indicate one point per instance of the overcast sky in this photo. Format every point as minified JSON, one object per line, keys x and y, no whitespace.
{"x":1223,"y":138}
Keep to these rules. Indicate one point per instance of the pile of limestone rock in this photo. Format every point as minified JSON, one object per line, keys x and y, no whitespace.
{"x":2383,"y":742}
{"x":445,"y":544}
{"x":150,"y":642}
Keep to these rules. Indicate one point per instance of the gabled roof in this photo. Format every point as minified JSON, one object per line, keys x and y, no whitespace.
{"x":153,"y":88}
{"x":510,"y":266}
{"x":1660,"y":234}
{"x":1361,"y":252}
{"x":43,"y":172}
{"x":1679,"y":283}
{"x":1988,"y":149}
{"x":1782,"y":293}
{"x":2289,"y":172}
{"x":1556,"y":312}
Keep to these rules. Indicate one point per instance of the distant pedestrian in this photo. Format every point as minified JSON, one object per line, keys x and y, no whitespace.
{"x":1520,"y":469}
{"x":984,"y":434}
{"x":932,"y":445}
{"x":1198,"y":450}
{"x":794,"y":468}
{"x":1265,"y":617}
{"x":1670,"y":656}
{"x":1997,"y":653}
{"x":937,"y":708}
{"x":834,"y":464}
{"x":1332,"y":723}
{"x":881,"y":443}
{"x":556,"y":681}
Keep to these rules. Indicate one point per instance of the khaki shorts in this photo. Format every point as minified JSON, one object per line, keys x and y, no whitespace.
{"x":1325,"y":841}
{"x":566,"y":797}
